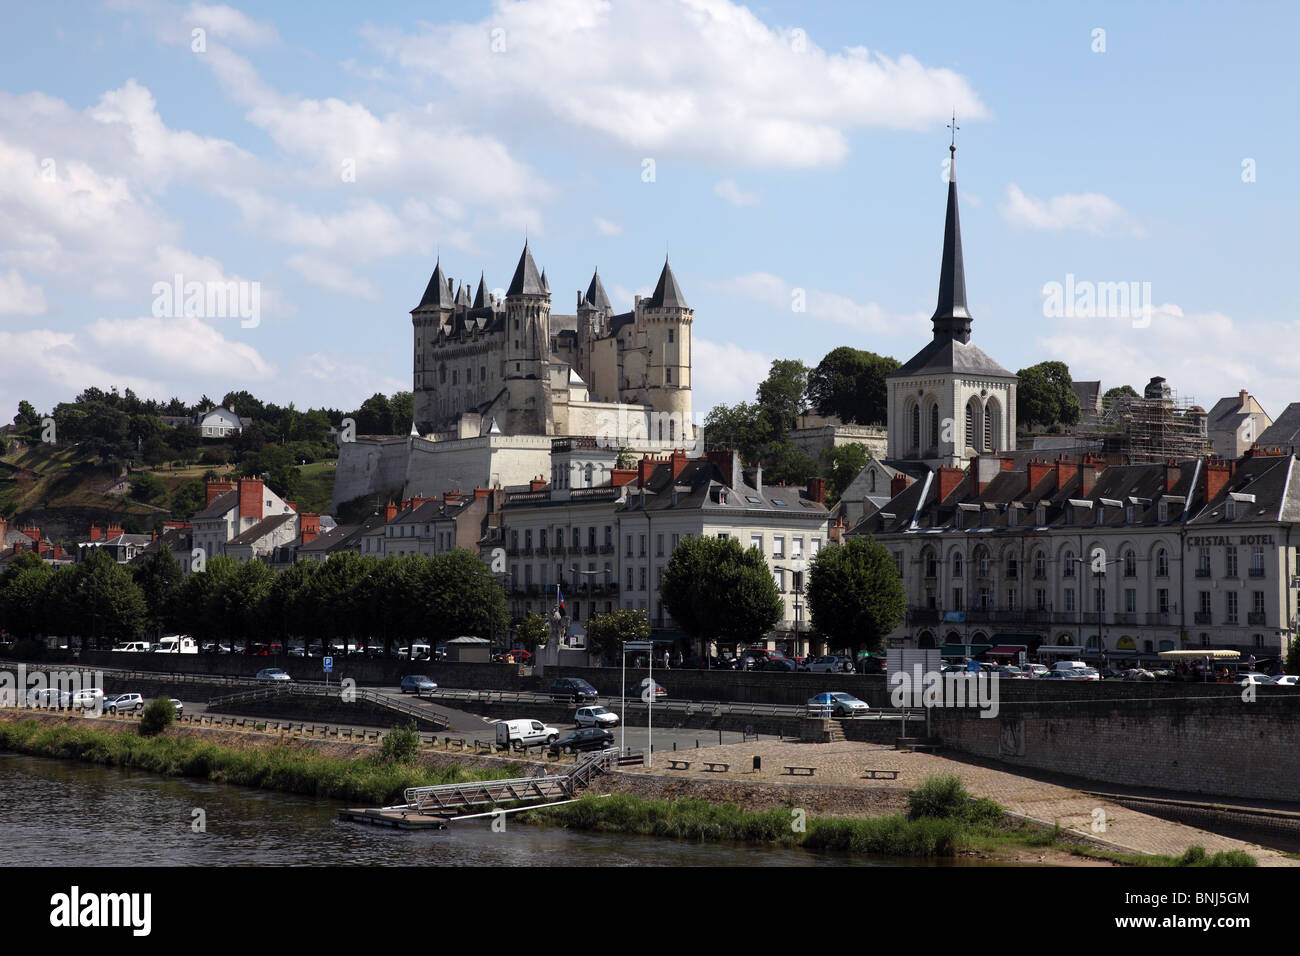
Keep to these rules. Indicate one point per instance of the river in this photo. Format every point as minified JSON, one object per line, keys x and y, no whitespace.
{"x":61,"y":813}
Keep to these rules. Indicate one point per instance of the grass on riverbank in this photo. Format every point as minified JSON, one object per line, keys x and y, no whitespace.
{"x":370,"y":781}
{"x":951,"y":825}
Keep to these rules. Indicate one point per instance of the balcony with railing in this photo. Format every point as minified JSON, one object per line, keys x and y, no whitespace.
{"x":1255,"y":618}
{"x":1202,"y":617}
{"x":1202,"y":572}
{"x":1256,"y":572}
{"x":1158,"y":618}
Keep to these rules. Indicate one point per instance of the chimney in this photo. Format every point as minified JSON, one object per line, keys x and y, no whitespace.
{"x":1008,"y":464}
{"x":250,"y":498}
{"x":622,"y":476}
{"x":1063,"y":469}
{"x":1087,"y":476}
{"x":644,"y":468}
{"x":1217,"y":473}
{"x":898,"y":484}
{"x":218,"y":488}
{"x":816,"y":489}
{"x":481,"y":492}
{"x":679,"y":460}
{"x":950,"y":479}
{"x":96,"y":533}
{"x":1038,"y":470}
{"x":309,"y":524}
{"x":390,"y":511}
{"x":758,"y":479}
{"x":1172,"y":474}
{"x":537,"y":484}
{"x":113,"y":531}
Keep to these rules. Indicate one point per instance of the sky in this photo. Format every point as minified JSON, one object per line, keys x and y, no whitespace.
{"x":788,"y":158}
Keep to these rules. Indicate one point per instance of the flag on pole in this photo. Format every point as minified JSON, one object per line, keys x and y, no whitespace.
{"x":559,"y":597}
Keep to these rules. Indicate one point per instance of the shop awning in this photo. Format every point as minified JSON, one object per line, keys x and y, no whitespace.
{"x":1201,"y":655}
{"x":1006,"y":650}
{"x":1016,"y":640}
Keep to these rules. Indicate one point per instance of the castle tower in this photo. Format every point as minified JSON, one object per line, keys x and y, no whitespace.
{"x":951,"y":400}
{"x":429,"y":320}
{"x":667,"y":320}
{"x":527,"y":353}
{"x":594,"y":312}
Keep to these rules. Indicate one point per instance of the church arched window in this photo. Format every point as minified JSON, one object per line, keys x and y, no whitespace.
{"x":916,"y":427}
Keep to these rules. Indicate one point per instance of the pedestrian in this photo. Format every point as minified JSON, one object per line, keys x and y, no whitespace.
{"x":665,"y":658}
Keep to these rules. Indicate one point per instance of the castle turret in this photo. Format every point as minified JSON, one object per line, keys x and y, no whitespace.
{"x":667,"y":321}
{"x":429,"y":320}
{"x":528,"y":337}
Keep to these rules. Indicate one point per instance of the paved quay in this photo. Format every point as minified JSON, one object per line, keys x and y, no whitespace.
{"x":844,"y":764}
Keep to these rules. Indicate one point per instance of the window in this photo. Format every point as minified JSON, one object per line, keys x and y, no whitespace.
{"x":956,"y":564}
{"x":1230,"y":509}
{"x":1259,"y":602}
{"x":629,"y":546}
{"x":1130,"y":600}
{"x":1162,"y":600}
{"x":659,"y":543}
{"x":931,"y":565}
{"x":1040,"y":565}
{"x":780,"y":579}
{"x":676,"y":540}
{"x":778,"y":546}
{"x":982,"y":562}
{"x":956,"y":598}
{"x":1162,"y":511}
{"x":916,"y":426}
{"x":642,"y":542}
{"x":1069,"y":599}
{"x":1231,"y":599}
{"x":670,"y":335}
{"x":1099,"y":599}
{"x":629,"y":579}
{"x":1203,"y":615}
{"x":668,"y":374}
{"x":1231,"y":555}
{"x":934,"y":425}
{"x":1256,"y":562}
{"x":1067,"y":565}
{"x":1011,"y":599}
{"x":1203,"y":563}
{"x":1040,"y":599}
{"x":1162,"y":563}
{"x":643,"y":576}
{"x":756,"y":541}
{"x":898,"y":562}
{"x":814,"y":547}
{"x":1013,"y":567}
{"x":970,"y":426}
{"x":1130,"y":564}
{"x":796,"y":547}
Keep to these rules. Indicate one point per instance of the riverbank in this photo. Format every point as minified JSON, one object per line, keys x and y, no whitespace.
{"x":854,"y":820}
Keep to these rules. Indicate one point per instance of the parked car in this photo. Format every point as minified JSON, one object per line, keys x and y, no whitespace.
{"x":272,"y":673}
{"x":841,"y":704}
{"x":785,"y":664}
{"x":521,"y":734}
{"x":1286,"y":680}
{"x":642,"y":688}
{"x":122,"y":703}
{"x":1253,"y":677}
{"x":827,"y":665}
{"x":1012,"y":672}
{"x":1035,"y":670}
{"x":583,"y":739}
{"x":417,"y":684}
{"x":89,"y":698}
{"x":180,"y":708}
{"x":48,"y":697}
{"x":595,"y":717}
{"x":870,"y":665}
{"x":573,"y":689}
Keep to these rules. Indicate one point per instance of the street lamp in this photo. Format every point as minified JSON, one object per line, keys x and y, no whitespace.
{"x":796,"y":589}
{"x":1098,"y":570}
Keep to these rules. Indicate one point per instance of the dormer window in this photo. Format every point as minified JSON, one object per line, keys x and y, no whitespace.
{"x":1230,"y":510}
{"x":1162,"y":511}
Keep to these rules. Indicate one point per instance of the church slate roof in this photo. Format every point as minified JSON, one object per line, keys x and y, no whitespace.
{"x":950,"y":355}
{"x":596,"y":293}
{"x":436,"y":294}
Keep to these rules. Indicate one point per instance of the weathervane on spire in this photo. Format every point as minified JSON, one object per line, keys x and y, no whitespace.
{"x":952,"y":147}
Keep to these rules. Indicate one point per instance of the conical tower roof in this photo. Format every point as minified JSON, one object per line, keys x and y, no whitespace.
{"x":526,"y":280}
{"x":596,"y":293}
{"x":481,"y":296}
{"x":436,"y":293}
{"x":951,"y":318}
{"x":668,"y":294}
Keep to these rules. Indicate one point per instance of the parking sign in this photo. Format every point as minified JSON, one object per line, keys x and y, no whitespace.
{"x":328,"y":664}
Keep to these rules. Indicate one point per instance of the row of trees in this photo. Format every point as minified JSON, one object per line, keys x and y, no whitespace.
{"x":348,"y":598}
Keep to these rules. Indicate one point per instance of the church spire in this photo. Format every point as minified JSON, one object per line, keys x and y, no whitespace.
{"x":951,"y":318}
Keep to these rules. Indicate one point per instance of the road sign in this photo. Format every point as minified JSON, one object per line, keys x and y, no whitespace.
{"x":328,"y":664}
{"x":637,"y":646}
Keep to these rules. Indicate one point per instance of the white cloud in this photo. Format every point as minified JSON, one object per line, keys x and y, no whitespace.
{"x":227,"y":23}
{"x":332,"y":277}
{"x":607,"y":228}
{"x":1204,"y":355}
{"x":700,"y":78}
{"x":1091,"y":212}
{"x":825,"y":306}
{"x":724,"y":374}
{"x":732,"y":193}
{"x":17,"y":297}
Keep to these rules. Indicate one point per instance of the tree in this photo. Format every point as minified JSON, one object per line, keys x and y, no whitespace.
{"x":855,"y":594}
{"x":716,"y":590}
{"x":781,"y":395}
{"x":785,"y":464}
{"x":532,"y":630}
{"x":102,"y":601}
{"x":375,"y":417}
{"x":843,"y":464}
{"x":146,"y":486}
{"x":850,"y":383}
{"x":158,"y":576}
{"x":188,"y":499}
{"x":607,"y":632}
{"x":1044,"y":397}
{"x":460,"y":596}
{"x":244,"y":404}
{"x":741,"y":427}
{"x":1120,"y":393}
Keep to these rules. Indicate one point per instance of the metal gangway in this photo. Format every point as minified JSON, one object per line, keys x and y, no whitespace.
{"x":281,"y":688}
{"x":452,"y":798}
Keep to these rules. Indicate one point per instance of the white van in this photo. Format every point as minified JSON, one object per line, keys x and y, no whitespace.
{"x":521,"y":734}
{"x":177,"y":644}
{"x":134,"y":647}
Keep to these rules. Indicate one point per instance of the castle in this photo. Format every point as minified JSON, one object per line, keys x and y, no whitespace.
{"x":511,"y":366}
{"x":500,"y":382}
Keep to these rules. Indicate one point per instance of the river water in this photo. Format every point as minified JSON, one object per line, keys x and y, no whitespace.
{"x":73,"y":814}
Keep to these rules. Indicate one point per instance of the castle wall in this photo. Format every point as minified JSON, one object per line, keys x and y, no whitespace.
{"x":463,"y":464}
{"x":368,"y":465}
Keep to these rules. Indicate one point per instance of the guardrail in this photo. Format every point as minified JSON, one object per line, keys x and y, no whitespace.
{"x":321,"y":689}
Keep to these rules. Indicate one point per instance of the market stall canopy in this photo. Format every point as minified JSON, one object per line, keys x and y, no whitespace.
{"x":1201,"y":655}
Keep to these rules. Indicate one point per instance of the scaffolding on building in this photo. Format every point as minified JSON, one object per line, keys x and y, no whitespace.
{"x":1154,"y":427}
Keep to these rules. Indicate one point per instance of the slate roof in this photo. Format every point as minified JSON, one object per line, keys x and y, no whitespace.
{"x":951,"y":355}
{"x":596,"y":293}
{"x":1285,"y":430}
{"x":436,"y":294}
{"x":668,"y":294}
{"x":221,"y":504}
{"x":261,"y":529}
{"x":526,"y":281}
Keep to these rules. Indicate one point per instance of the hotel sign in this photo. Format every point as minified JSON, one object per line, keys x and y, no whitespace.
{"x":1206,"y":541}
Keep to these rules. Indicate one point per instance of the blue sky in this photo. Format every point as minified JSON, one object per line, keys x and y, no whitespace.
{"x":795,"y":147}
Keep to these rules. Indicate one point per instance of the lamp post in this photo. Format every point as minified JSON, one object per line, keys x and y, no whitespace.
{"x":1098,"y":571}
